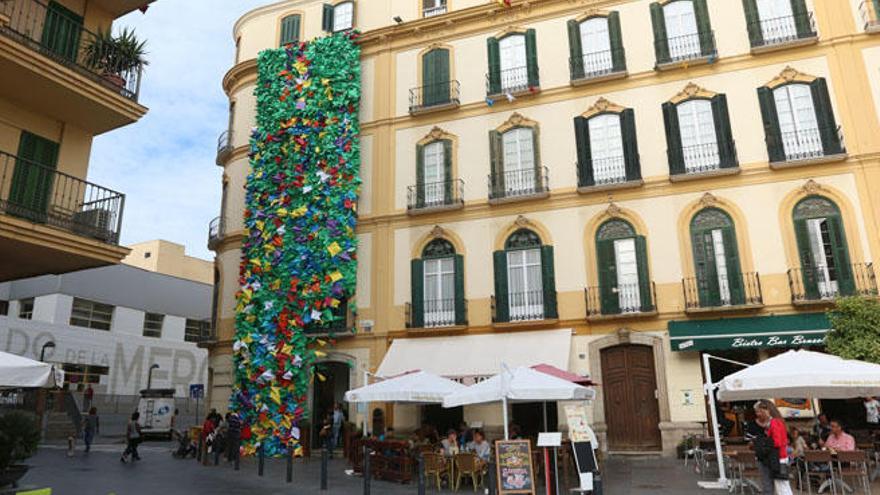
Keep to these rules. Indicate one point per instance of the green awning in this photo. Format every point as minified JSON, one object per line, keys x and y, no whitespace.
{"x":760,"y":332}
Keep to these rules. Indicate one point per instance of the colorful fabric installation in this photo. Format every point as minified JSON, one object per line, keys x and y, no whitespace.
{"x":299,"y":261}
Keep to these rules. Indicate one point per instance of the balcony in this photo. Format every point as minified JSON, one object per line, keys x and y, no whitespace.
{"x":435,"y":196}
{"x":594,"y":67}
{"x":516,"y":185}
{"x":522,"y":307}
{"x":216,"y":231}
{"x":224,"y":147}
{"x":342,"y":324}
{"x":434,"y":97}
{"x":782,"y":32}
{"x":604,"y":173}
{"x":870,"y":16}
{"x":437,"y":314}
{"x":54,"y":222}
{"x":68,"y":72}
{"x":433,"y":11}
{"x":822,"y":285}
{"x":803,"y":147}
{"x":709,"y":295}
{"x":685,"y":50}
{"x":699,"y":160}
{"x":511,"y":82}
{"x":625,"y":301}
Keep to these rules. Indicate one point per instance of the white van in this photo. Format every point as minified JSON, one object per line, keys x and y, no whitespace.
{"x":156,"y":407}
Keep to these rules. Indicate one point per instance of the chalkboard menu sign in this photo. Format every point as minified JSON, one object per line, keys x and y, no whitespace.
{"x":513,"y":459}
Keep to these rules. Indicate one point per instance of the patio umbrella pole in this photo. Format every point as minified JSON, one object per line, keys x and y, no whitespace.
{"x":709,"y":388}
{"x":545,"y":416}
{"x":504,"y":413}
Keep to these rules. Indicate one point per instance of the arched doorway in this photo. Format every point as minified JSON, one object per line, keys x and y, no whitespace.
{"x":326,"y":392}
{"x":629,"y":384}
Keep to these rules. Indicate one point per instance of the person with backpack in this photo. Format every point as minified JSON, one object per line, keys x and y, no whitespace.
{"x":132,"y":438}
{"x":771,"y":449}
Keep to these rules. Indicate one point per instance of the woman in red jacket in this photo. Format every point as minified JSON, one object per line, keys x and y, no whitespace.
{"x":768,"y":417}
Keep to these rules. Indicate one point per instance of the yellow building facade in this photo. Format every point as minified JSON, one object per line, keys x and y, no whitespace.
{"x":630,"y":175}
{"x":61,"y":85}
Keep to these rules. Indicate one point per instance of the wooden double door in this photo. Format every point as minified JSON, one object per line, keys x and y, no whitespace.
{"x":632,"y":413}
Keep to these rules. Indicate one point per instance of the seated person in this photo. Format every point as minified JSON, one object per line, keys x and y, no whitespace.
{"x":798,"y":444}
{"x":821,"y":429}
{"x":450,"y":444}
{"x":480,"y":446}
{"x":839,"y":440}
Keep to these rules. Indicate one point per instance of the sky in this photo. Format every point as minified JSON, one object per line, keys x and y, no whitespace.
{"x":164,"y":163}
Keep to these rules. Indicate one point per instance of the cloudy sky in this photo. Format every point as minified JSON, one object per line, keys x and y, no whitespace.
{"x":165,"y":162}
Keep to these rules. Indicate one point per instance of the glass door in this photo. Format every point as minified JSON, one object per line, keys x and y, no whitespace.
{"x":627,"y":275}
{"x":525,"y":287}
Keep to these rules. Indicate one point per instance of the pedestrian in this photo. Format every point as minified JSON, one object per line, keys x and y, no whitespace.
{"x":132,"y":438}
{"x":771,"y":449}
{"x":233,"y":432}
{"x":872,"y":412}
{"x":91,"y":427}
{"x":325,"y":434}
{"x":88,"y":395}
{"x":338,"y":419}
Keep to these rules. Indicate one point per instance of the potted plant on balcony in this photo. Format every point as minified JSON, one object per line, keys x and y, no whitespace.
{"x":115,"y":56}
{"x":19,"y":437}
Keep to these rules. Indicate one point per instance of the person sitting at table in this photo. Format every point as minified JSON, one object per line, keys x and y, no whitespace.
{"x":480,"y":446}
{"x":839,"y":440}
{"x":450,"y":443}
{"x":798,"y":444}
{"x":821,"y":429}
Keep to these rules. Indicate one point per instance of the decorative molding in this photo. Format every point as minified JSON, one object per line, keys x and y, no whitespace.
{"x":708,"y":200}
{"x":516,"y":120}
{"x":590,"y":13}
{"x":437,"y":232}
{"x":509,"y":30}
{"x":790,"y":75}
{"x":613,"y":210}
{"x":623,"y":334}
{"x":602,"y":105}
{"x":436,"y":134}
{"x":523,"y":222}
{"x":811,"y":187}
{"x":692,"y":91}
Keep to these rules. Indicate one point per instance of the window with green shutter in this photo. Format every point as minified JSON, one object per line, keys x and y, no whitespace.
{"x":698,"y":135}
{"x":438,"y":287}
{"x":595,"y":47}
{"x":33,"y":177}
{"x":525,"y":287}
{"x":682,"y":31}
{"x":775,"y":22}
{"x":290,"y":29}
{"x":607,"y":148}
{"x":716,"y":259}
{"x":434,"y":174}
{"x":624,"y":284}
{"x":826,"y":270}
{"x":435,"y":77}
{"x":513,"y":63}
{"x":62,"y":31}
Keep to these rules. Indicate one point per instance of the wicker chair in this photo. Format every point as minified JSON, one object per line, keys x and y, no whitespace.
{"x":467,"y":466}
{"x":435,"y":467}
{"x":854,"y":465}
{"x":817,"y":466}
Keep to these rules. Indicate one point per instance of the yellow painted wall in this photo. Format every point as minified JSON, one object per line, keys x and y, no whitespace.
{"x":170,"y":258}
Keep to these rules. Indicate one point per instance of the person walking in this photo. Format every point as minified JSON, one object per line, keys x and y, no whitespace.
{"x":338,"y":419}
{"x":88,"y":395}
{"x":132,"y":438}
{"x":91,"y":426}
{"x":772,"y":449}
{"x":233,"y":433}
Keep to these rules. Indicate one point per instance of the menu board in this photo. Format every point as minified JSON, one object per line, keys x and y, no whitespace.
{"x":513,"y":459}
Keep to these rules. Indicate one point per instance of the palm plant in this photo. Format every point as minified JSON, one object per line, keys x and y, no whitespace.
{"x":115,"y":55}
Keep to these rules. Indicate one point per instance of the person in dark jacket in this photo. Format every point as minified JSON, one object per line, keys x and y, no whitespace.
{"x":772,"y":449}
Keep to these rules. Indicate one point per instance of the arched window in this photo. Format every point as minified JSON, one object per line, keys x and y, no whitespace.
{"x":821,"y":240}
{"x":525,"y":287}
{"x":434,"y":174}
{"x":435,"y":77}
{"x":716,"y":259}
{"x":290,"y":29}
{"x":438,"y":287}
{"x":621,"y":254}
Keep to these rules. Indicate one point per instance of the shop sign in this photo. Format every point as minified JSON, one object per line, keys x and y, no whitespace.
{"x":764,"y":332}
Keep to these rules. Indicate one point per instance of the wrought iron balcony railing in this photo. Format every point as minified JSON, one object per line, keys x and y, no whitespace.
{"x":61,"y":37}
{"x":521,"y":306}
{"x":804,"y":144}
{"x":817,"y":284}
{"x":686,"y":47}
{"x":699,"y":159}
{"x":781,"y":30}
{"x":593,"y":65}
{"x":432,"y":195}
{"x":216,"y":231}
{"x":519,"y":183}
{"x":627,"y":300}
{"x":434,"y":95}
{"x":510,"y":81}
{"x":722,"y":291}
{"x":437,"y":313}
{"x":224,"y":146}
{"x":432,"y":11}
{"x":606,"y":171}
{"x":41,"y":194}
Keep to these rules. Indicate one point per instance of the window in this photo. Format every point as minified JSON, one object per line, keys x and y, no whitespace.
{"x":435,"y":166}
{"x":607,"y":148}
{"x":826,"y":271}
{"x":623,"y":269}
{"x":290,"y":29}
{"x":147,"y":255}
{"x":799,"y":122}
{"x":436,"y":89}
{"x":4,"y":308}
{"x":31,"y":188}
{"x":430,"y":8}
{"x":438,"y":287}
{"x":681,"y":31}
{"x":90,"y":314}
{"x":698,"y":135}
{"x":26,"y":308}
{"x":525,"y":286}
{"x":596,"y":47}
{"x":153,"y":325}
{"x":196,"y":330}
{"x":62,"y":31}
{"x":773,"y":22}
{"x":343,"y":16}
{"x":513,"y":63}
{"x":716,"y":259}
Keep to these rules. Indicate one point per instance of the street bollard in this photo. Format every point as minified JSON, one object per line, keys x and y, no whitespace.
{"x":261,"y":460}
{"x":492,"y":479}
{"x":325,"y":458}
{"x":290,"y":466}
{"x":367,"y":473}
{"x":421,"y":474}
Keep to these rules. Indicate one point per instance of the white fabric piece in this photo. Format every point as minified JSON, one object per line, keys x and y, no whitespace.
{"x":519,"y":385}
{"x":802,"y":374}
{"x":418,"y":387}
{"x":21,"y":372}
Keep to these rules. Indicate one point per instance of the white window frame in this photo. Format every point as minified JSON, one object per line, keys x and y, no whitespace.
{"x":525,"y":295}
{"x":798,"y":123}
{"x":518,"y":158}
{"x":595,"y":36}
{"x":721,"y":268}
{"x":777,"y":21}
{"x":606,"y":149}
{"x":430,"y":8}
{"x":439,"y":281}
{"x":91,"y":314}
{"x":682,"y":30}
{"x":828,"y":288}
{"x":26,"y":308}
{"x":345,"y":21}
{"x":699,"y":144}
{"x":626,"y":261}
{"x":434,"y":159}
{"x":513,"y":62}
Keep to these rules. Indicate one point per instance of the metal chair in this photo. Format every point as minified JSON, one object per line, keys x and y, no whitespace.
{"x":818,"y":466}
{"x":467,"y":466}
{"x":747,"y":471}
{"x":854,"y":465}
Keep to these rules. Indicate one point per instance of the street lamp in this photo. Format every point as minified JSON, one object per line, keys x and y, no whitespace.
{"x":150,"y":376}
{"x":47,"y":345}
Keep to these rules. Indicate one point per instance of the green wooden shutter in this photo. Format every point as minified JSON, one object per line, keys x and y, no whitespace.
{"x":447,"y":172}
{"x":536,"y":156}
{"x":661,"y":39}
{"x":496,"y":166}
{"x":845,"y":282}
{"x":630,"y":145}
{"x":417,"y":283}
{"x":548,"y":279}
{"x":673,"y":139}
{"x":876,"y":13}
{"x":327,"y":18}
{"x":734,"y":271}
{"x":706,"y":271}
{"x":584,"y":154}
{"x":825,"y":117}
{"x":615,"y":35}
{"x":808,"y":270}
{"x":575,"y":50}
{"x":435,"y":77}
{"x":460,"y":313}
{"x":494,"y":53}
{"x":62,"y":31}
{"x":775,"y":149}
{"x":290,"y":29}
{"x":532,"y":58}
{"x":502,"y":307}
{"x":607,"y":265}
{"x":723,"y":132}
{"x":753,"y":23}
{"x":34,"y":176}
{"x":429,"y":90}
{"x":645,"y":292}
{"x":704,"y":25}
{"x":801,"y":18}
{"x":420,"y":176}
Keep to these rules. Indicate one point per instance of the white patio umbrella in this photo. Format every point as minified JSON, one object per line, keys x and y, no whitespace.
{"x":518,"y":385}
{"x":21,"y":372}
{"x":419,"y":387}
